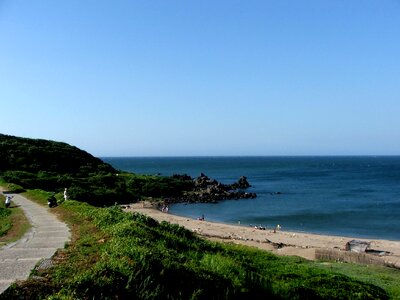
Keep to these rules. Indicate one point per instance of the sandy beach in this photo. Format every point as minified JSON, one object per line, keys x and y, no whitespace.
{"x":309,"y":246}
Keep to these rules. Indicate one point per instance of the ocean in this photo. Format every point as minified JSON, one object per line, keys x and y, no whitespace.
{"x":345,"y":196}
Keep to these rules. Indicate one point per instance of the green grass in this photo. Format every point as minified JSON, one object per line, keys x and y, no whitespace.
{"x":13,"y":223}
{"x":40,"y":196}
{"x":115,"y":255}
{"x":11,"y":187}
{"x":384,"y":277}
{"x":5,"y":218}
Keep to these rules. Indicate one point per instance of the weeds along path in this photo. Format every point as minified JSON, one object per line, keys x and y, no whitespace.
{"x":46,"y":235}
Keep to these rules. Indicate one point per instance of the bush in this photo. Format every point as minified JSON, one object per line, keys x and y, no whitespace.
{"x":157,"y":186}
{"x":13,"y":188}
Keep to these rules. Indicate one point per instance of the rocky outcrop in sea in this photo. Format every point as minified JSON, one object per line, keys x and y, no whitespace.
{"x":206,"y":189}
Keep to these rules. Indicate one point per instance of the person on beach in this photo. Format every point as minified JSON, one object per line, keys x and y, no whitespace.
{"x":7,"y":202}
{"x":165,"y":208}
{"x":65,"y":194}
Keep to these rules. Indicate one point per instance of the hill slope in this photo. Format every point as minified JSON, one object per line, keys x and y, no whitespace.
{"x":53,"y":166}
{"x":35,"y":155}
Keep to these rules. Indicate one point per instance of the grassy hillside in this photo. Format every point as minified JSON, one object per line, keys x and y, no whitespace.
{"x":53,"y":166}
{"x":116,"y":255}
{"x":38,"y":155}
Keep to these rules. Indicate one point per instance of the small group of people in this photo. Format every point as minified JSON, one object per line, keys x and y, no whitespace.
{"x":165,"y":208}
{"x":51,"y":201}
{"x":260,"y":227}
{"x":277,"y":227}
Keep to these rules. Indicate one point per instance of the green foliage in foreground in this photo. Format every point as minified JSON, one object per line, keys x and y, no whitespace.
{"x":116,"y":255}
{"x":13,"y":223}
{"x":384,"y":277}
{"x":5,"y":221}
{"x":5,"y":218}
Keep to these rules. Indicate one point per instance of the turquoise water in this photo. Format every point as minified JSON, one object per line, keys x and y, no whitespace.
{"x":350,"y":196}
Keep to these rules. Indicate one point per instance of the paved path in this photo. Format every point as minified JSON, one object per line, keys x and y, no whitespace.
{"x":43,"y":239}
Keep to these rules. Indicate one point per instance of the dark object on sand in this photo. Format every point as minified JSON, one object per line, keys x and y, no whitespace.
{"x":363,"y":247}
{"x":357,"y":246}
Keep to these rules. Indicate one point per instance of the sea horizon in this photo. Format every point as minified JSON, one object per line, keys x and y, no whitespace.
{"x":355,"y":196}
{"x":229,"y":156}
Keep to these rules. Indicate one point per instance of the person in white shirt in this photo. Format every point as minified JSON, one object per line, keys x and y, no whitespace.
{"x":8,"y":201}
{"x":65,"y":194}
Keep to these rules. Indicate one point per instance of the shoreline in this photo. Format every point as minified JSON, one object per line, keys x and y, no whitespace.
{"x":349,"y":237}
{"x":307,"y":245}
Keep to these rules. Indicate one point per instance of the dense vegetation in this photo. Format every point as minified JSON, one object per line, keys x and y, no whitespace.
{"x":37,"y":155}
{"x":115,"y":255}
{"x":52,"y":166}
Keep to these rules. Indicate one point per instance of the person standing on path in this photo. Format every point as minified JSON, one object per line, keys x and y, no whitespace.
{"x":65,"y":194}
{"x":7,"y":202}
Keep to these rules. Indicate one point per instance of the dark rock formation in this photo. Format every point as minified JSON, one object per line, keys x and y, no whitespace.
{"x":241,"y":184}
{"x":206,"y":189}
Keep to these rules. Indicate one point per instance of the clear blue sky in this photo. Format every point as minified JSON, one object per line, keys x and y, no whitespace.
{"x":146,"y":78}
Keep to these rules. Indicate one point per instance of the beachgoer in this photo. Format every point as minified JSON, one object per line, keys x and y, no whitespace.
{"x":65,"y":194}
{"x":7,"y":202}
{"x":277,"y":228}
